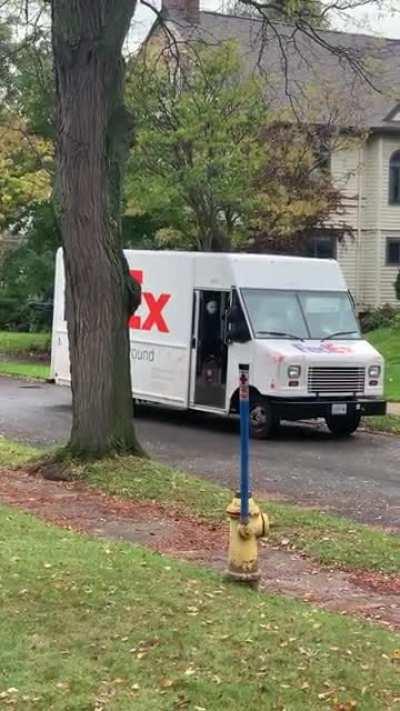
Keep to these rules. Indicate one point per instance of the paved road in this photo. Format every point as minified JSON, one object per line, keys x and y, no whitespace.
{"x":359,"y":477}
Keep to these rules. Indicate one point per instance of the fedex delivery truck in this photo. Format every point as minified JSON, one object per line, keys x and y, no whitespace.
{"x":291,"y":319}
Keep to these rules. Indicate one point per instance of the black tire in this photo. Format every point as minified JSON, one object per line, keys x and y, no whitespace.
{"x":343,"y":426}
{"x":137,"y":407}
{"x":263,"y":423}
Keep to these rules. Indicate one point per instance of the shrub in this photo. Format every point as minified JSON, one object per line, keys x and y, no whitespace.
{"x":384,"y":317}
{"x":27,"y":272}
{"x":32,"y":316}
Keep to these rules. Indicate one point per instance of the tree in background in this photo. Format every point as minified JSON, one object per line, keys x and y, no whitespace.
{"x":24,"y":168}
{"x":29,"y":234}
{"x":311,"y":11}
{"x":26,"y":153}
{"x":212,"y":161}
{"x":5,"y":54}
{"x":27,"y":271}
{"x":197,"y":145}
{"x":31,"y":91}
{"x":295,"y":191}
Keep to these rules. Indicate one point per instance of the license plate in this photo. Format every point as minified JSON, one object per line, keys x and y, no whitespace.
{"x":339,"y":409}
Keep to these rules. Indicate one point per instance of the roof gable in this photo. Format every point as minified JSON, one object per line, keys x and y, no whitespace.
{"x":305,"y":75}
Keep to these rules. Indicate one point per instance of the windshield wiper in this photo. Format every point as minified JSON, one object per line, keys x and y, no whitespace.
{"x":338,"y":333}
{"x":280,"y":334}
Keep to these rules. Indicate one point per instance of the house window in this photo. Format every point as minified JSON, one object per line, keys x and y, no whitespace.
{"x":393,"y":252}
{"x":394,"y":179}
{"x":321,"y":247}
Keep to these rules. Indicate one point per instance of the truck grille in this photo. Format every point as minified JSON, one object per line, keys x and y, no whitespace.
{"x":336,"y":380}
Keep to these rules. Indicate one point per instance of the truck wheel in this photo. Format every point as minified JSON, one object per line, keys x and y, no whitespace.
{"x":262,"y":421}
{"x":343,"y":426}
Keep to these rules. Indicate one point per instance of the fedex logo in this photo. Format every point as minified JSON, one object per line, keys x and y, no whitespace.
{"x":155,"y":307}
{"x":323,"y":348}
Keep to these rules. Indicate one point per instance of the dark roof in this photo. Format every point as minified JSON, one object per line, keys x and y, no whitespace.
{"x":305,"y":74}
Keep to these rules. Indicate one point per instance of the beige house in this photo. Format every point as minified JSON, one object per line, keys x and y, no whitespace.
{"x":353,"y":89}
{"x":370,"y":177}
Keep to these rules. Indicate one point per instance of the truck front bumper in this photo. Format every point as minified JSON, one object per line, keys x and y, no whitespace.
{"x":315,"y":409}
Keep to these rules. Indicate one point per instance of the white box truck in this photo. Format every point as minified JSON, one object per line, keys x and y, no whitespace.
{"x":291,"y":319}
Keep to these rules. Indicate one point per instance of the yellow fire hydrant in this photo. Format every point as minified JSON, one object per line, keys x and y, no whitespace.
{"x":243,"y":540}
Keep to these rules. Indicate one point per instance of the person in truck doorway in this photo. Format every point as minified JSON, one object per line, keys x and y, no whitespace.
{"x":212,"y":344}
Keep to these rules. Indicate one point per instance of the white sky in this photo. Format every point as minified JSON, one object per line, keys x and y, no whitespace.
{"x":378,"y":17}
{"x":383,"y":20}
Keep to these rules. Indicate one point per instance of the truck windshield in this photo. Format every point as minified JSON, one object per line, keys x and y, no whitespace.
{"x":301,"y":314}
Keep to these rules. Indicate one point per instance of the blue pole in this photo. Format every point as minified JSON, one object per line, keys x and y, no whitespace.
{"x":244,"y":441}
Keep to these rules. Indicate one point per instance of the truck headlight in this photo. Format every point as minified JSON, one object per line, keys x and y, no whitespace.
{"x":294,"y":371}
{"x":374,"y":371}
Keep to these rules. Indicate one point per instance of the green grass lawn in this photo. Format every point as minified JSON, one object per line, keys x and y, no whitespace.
{"x":19,"y":354}
{"x":387,"y":342}
{"x":22,"y":343}
{"x":21,"y":369}
{"x":96,"y":625}
{"x":329,"y":539}
{"x":15,"y":454}
{"x":388,"y":423}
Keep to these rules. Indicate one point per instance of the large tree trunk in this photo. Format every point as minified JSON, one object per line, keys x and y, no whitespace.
{"x":94,"y":133}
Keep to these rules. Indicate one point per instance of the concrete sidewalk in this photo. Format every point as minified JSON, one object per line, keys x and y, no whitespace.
{"x":393,"y":408}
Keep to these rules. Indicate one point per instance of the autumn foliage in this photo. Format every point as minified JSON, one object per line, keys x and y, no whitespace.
{"x":24,"y":169}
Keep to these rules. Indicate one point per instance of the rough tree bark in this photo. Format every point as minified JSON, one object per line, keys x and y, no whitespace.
{"x":94,"y":134}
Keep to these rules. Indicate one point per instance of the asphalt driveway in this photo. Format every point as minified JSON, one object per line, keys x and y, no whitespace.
{"x":359,"y":477}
